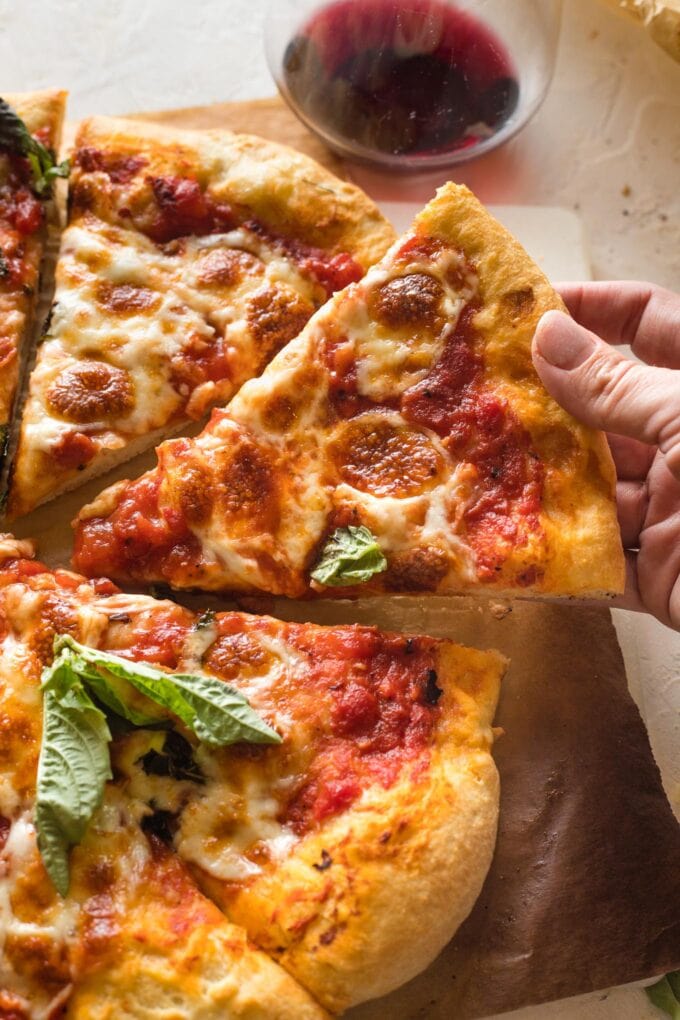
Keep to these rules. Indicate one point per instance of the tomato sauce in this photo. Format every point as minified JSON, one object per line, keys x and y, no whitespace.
{"x":138,"y":539}
{"x":382,"y":714}
{"x":480,"y":428}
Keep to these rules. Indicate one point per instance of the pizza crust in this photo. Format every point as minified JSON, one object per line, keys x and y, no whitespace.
{"x":289,"y":191}
{"x":408,"y":862}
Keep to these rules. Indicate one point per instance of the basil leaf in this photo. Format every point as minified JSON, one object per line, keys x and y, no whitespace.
{"x":217,"y":713}
{"x":73,"y":768}
{"x":205,"y":620}
{"x":69,"y":667}
{"x":4,"y":267}
{"x":351,"y":556}
{"x":15,"y":137}
{"x":665,"y":994}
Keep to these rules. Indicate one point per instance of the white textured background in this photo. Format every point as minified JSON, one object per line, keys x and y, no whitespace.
{"x":606,"y":143}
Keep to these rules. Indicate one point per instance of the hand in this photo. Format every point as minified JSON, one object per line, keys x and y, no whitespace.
{"x":638,"y":407}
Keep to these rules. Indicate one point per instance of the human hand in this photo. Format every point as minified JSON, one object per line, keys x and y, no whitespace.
{"x":639,"y":408}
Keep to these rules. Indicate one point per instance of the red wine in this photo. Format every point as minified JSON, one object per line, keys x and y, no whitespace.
{"x":416,"y":77}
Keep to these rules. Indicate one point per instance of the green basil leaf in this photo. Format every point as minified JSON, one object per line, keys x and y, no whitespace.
{"x":351,"y":556}
{"x":73,"y":768}
{"x":216,"y":712}
{"x":69,"y":668}
{"x":4,"y":267}
{"x":15,"y":137}
{"x":664,"y":995}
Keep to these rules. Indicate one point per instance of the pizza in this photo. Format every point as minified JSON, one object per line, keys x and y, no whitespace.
{"x":28,"y":121}
{"x":402,"y":443}
{"x":313,"y":845}
{"x":189,"y":260}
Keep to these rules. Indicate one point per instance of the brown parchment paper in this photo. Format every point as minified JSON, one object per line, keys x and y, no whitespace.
{"x":584,"y":889}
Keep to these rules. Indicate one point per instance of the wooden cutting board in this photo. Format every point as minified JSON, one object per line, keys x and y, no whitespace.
{"x":584,"y":890}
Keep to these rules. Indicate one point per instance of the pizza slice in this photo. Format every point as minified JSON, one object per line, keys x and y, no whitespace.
{"x":30,"y":130}
{"x":258,"y":880}
{"x":402,"y":443}
{"x":189,"y":259}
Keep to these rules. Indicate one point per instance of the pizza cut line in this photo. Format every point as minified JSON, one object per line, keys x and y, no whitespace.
{"x":26,"y":212}
{"x":402,"y":443}
{"x":188,"y":261}
{"x":281,"y":879}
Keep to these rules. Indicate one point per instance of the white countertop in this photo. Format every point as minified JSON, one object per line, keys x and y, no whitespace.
{"x":605,"y":143}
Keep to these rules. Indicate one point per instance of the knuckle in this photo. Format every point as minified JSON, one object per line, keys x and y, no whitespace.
{"x":611,"y":381}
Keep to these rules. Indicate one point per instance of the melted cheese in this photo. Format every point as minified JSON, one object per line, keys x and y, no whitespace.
{"x":147,"y":343}
{"x":55,"y":926}
{"x":388,"y":361}
{"x":247,"y":813}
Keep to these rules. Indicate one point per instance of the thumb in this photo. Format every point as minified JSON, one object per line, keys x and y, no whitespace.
{"x":606,"y":390}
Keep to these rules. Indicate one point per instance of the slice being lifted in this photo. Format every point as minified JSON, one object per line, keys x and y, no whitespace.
{"x":25,"y":211}
{"x":189,"y":259}
{"x":326,"y":851}
{"x":402,"y":443}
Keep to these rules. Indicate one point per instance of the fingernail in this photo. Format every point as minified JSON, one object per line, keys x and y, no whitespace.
{"x":563,"y":343}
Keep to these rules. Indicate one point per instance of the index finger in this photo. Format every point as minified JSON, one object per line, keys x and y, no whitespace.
{"x":626,"y":312}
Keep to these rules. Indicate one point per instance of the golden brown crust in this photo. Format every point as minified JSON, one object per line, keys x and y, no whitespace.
{"x":290,"y":192}
{"x":401,"y":871}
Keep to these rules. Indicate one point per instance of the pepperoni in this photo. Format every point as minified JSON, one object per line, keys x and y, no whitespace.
{"x":411,"y":300}
{"x":381,"y":714}
{"x":276,"y":316}
{"x":376,"y":455}
{"x":225,"y":267}
{"x":126,"y":298}
{"x":85,"y":393}
{"x":74,"y":450}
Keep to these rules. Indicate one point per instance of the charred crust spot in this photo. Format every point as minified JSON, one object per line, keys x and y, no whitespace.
{"x":408,"y":300}
{"x":87,"y":392}
{"x":276,"y":316}
{"x":227,"y":267}
{"x":432,"y":692}
{"x":327,"y":937}
{"x":518,"y":303}
{"x":325,"y":862}
{"x":420,"y":569}
{"x":375,"y":455}
{"x":160,"y":826}
{"x":125,"y":298}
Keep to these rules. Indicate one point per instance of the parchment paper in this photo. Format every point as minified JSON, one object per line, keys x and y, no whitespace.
{"x":584,"y":890}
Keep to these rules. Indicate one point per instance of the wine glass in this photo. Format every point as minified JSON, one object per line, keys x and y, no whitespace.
{"x":413,"y":84}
